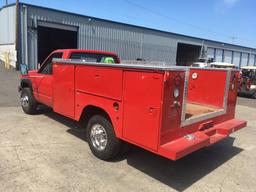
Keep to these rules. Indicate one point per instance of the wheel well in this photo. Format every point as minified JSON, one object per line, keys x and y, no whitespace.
{"x":25,"y":83}
{"x":90,"y":111}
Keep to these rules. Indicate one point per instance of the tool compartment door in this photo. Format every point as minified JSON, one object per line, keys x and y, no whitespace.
{"x":63,"y":89}
{"x":142,"y":101}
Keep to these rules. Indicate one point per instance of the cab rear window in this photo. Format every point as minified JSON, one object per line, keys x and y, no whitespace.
{"x":94,"y":57}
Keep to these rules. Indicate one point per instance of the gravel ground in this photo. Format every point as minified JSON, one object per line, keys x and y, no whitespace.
{"x":48,"y":152}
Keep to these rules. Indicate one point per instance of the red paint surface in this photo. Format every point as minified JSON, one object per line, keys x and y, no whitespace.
{"x":171,"y":115}
{"x":105,"y":82}
{"x":42,"y":87}
{"x":148,"y":116}
{"x":63,"y":89}
{"x":142,"y":107}
{"x":208,"y":88}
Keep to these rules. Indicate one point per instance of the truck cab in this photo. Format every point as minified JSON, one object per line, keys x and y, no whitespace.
{"x":40,"y":81}
{"x":202,"y":62}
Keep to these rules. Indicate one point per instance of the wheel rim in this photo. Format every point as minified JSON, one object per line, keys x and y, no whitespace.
{"x":98,"y":137}
{"x":24,"y":101}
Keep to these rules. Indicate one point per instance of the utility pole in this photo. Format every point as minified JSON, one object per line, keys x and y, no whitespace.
{"x":17,"y":35}
{"x":6,"y":2}
{"x":233,"y":39}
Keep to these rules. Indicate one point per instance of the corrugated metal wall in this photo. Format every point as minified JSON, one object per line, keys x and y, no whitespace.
{"x":228,"y":56}
{"x":244,"y":60}
{"x":252,"y":59}
{"x":210,"y":52}
{"x":129,"y":42}
{"x":239,"y":58}
{"x":236,"y":58}
{"x":218,"y":55}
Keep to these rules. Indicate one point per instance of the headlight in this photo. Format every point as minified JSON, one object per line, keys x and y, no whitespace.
{"x":176,"y":93}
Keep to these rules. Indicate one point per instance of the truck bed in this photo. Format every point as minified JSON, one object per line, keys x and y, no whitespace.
{"x":194,"y":109}
{"x":142,"y":106}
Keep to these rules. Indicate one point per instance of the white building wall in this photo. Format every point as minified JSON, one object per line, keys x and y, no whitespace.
{"x":7,"y":34}
{"x":8,"y":51}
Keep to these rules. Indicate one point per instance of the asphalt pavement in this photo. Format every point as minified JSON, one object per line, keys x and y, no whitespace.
{"x":48,"y":152}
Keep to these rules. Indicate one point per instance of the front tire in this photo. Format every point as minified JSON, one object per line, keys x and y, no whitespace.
{"x":28,"y":102}
{"x":101,"y":138}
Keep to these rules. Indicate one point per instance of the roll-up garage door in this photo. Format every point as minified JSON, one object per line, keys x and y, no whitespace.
{"x":227,"y":56}
{"x":218,"y":56}
{"x":244,"y":59}
{"x":252,"y":59}
{"x":210,"y":52}
{"x":236,"y":58}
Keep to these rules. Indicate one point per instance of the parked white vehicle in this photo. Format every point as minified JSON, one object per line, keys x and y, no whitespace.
{"x":247,"y":83}
{"x":222,"y":65}
{"x":202,"y":62}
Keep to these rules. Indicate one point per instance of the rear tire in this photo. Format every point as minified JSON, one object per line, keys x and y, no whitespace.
{"x":28,"y":102}
{"x":101,"y":138}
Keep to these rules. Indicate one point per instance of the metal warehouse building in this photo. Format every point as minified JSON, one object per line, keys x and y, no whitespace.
{"x":42,"y":30}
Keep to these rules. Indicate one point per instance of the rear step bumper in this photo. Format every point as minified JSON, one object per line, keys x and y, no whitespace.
{"x":199,"y":139}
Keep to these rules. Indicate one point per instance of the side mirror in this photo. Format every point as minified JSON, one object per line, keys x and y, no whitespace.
{"x":23,"y":69}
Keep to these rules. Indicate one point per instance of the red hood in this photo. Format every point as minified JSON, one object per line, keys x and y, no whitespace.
{"x":31,"y":72}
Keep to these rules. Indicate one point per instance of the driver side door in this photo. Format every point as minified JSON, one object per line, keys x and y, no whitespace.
{"x":44,"y":79}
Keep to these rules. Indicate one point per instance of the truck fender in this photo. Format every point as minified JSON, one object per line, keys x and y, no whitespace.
{"x":26,"y":83}
{"x":91,"y":110}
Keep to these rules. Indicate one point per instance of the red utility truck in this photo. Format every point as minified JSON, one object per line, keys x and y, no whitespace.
{"x":171,"y":111}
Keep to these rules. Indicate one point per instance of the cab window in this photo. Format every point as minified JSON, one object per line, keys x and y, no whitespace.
{"x":94,"y":57}
{"x":47,"y":65}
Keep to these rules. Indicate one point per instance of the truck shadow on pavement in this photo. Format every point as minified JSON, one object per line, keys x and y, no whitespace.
{"x":182,"y":173}
{"x":178,"y":175}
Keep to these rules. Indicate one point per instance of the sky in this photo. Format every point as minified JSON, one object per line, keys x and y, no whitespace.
{"x":229,"y":21}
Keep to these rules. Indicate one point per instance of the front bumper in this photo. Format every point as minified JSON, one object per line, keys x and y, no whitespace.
{"x":199,"y":139}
